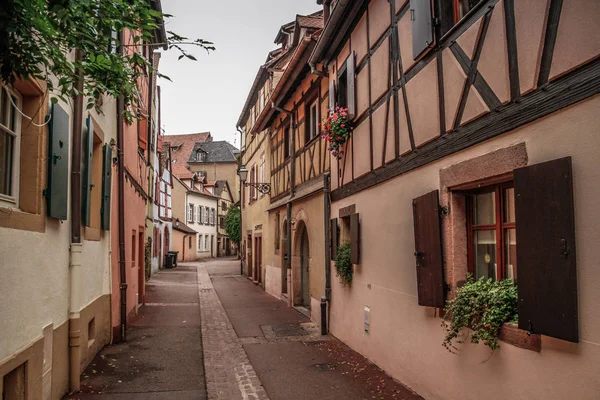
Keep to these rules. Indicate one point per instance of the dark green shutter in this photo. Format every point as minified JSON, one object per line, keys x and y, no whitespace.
{"x":333,"y":235}
{"x":106,"y":186}
{"x":88,"y":151}
{"x":58,"y":163}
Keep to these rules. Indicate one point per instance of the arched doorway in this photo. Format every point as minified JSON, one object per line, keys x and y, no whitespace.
{"x":300,"y":266}
{"x":304,"y":277}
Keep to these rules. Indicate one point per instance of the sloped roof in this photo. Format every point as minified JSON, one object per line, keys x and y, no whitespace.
{"x":181,"y":227}
{"x":220,"y":151}
{"x":182,"y":146}
{"x":310,"y":21}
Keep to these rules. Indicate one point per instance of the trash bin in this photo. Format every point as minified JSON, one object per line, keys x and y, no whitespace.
{"x":172,"y":259}
{"x":168,"y":261}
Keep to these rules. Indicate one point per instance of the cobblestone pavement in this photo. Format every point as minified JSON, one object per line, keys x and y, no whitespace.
{"x":229,"y":374}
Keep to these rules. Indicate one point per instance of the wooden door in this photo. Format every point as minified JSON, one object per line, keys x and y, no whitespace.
{"x":304,"y":259}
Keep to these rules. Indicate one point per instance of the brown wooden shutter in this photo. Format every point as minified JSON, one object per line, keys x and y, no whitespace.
{"x":354,"y":239}
{"x":546,"y":272}
{"x":333,"y":237}
{"x":142,"y":133}
{"x":351,"y":92}
{"x":428,"y":250}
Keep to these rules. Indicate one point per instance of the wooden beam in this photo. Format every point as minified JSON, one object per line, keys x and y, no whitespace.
{"x":549,"y":41}
{"x":511,"y":44}
{"x":571,"y":88}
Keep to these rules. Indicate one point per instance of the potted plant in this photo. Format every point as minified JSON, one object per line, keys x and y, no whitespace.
{"x":336,"y":130}
{"x":483,"y":306}
{"x":343,"y":264}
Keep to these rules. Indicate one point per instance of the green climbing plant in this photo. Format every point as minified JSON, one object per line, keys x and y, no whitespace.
{"x":148,"y":258}
{"x":343,"y":264}
{"x":483,"y":306}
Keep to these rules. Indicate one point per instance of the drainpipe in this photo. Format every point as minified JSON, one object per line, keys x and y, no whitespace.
{"x":121,"y":206}
{"x":241,"y":204}
{"x":289,"y":240}
{"x":327,"y":217}
{"x":76,"y":246}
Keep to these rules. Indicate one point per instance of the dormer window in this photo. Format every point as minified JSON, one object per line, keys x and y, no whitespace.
{"x":200,"y":156}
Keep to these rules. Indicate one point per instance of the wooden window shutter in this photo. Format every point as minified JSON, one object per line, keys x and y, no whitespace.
{"x":88,"y":153}
{"x":333,"y":237}
{"x":58,"y":164}
{"x":354,"y":239}
{"x":351,"y":95}
{"x":106,"y":187}
{"x":422,"y":28}
{"x":428,"y":250}
{"x":142,"y":133}
{"x":332,"y":94}
{"x":546,"y":272}
{"x":201,"y":216}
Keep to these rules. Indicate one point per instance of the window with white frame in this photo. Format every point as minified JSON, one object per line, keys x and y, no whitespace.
{"x":190,"y":213}
{"x":206,"y":242}
{"x":198,"y":214}
{"x":10,"y":135}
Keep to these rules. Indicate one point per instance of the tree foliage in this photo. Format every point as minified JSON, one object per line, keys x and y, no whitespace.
{"x":233,"y":226}
{"x":483,"y":306}
{"x":39,"y":37}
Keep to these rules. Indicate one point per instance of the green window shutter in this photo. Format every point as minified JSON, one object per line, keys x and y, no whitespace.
{"x":106,"y":187}
{"x":88,"y":151}
{"x":58,"y":164}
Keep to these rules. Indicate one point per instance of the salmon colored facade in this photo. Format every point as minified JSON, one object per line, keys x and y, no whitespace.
{"x":497,"y":97}
{"x":136,"y":161}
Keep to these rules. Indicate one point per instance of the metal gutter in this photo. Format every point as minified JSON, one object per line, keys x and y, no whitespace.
{"x":330,"y":30}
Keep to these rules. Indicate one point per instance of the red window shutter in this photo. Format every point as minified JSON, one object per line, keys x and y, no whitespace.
{"x":143,"y":133}
{"x":159,"y":144}
{"x":333,"y":236}
{"x":547,"y":274}
{"x":428,"y":250}
{"x":354,"y":239}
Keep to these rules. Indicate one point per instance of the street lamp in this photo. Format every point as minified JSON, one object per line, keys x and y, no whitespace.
{"x":264,"y":188}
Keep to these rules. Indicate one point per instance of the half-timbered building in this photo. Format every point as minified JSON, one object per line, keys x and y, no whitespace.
{"x":475,"y":140}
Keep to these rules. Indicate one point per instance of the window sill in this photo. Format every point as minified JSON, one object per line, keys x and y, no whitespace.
{"x":511,"y":334}
{"x":21,"y":220}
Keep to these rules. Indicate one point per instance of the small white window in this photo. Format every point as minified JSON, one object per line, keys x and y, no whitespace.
{"x":191,"y":213}
{"x":10,"y":137}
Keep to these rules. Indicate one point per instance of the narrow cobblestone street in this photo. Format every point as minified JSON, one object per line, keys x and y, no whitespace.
{"x":206,"y":332}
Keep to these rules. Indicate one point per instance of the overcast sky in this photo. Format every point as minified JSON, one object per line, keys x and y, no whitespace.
{"x":208,"y":95}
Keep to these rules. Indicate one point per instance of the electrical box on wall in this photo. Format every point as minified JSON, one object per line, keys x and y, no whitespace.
{"x":367,"y":319}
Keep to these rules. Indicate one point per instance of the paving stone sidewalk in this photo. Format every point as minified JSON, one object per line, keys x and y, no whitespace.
{"x":229,"y":374}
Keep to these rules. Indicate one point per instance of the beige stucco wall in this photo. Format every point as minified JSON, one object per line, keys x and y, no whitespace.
{"x":405,"y":339}
{"x":35,"y":284}
{"x":219,"y":171}
{"x":254,"y":215}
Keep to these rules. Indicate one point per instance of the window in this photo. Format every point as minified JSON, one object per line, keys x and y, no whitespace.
{"x":190,"y":213}
{"x":462,"y":7}
{"x":199,"y":242}
{"x":342,"y":93}
{"x":492,"y":232}
{"x":224,"y":206}
{"x":199,"y":214}
{"x":252,"y":182}
{"x":312,"y":121}
{"x":206,"y":242}
{"x":14,"y":383}
{"x":200,"y":155}
{"x":189,"y":242}
{"x":201,"y":217}
{"x":9,"y":144}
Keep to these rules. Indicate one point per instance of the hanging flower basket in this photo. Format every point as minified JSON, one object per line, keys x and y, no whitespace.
{"x":336,"y":130}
